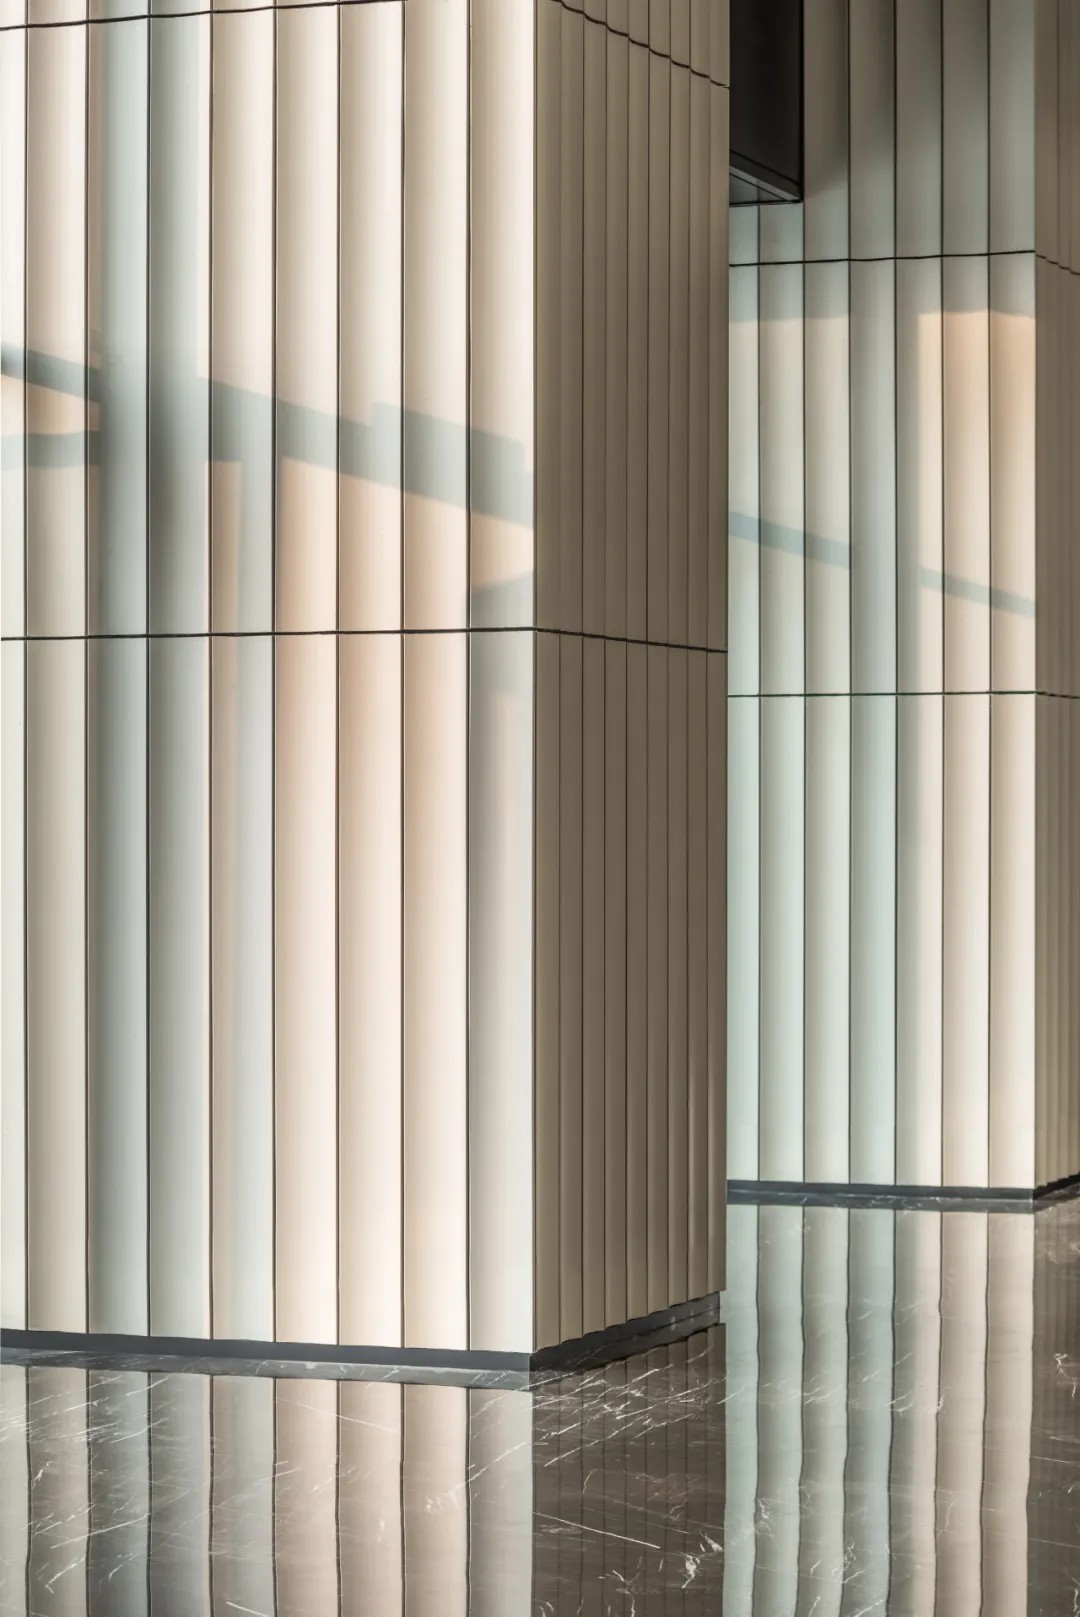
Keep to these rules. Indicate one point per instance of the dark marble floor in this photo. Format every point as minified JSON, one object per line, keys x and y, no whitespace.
{"x":889,"y":1421}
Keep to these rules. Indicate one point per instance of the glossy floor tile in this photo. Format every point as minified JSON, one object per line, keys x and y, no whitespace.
{"x":889,"y":1422}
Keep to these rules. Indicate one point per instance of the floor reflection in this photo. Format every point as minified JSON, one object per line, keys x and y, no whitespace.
{"x":889,"y":1422}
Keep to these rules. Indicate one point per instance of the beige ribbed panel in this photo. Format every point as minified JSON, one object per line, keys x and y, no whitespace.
{"x":780,"y":415}
{"x":871,"y":149}
{"x":781,"y":937}
{"x":179,"y":974}
{"x":965,"y":342}
{"x":744,"y":935}
{"x":703,"y":973}
{"x":873,"y":940}
{"x":307,"y":1573}
{"x":116,"y":981}
{"x":55,"y":987}
{"x":616,"y":952}
{"x":593,"y":832}
{"x":702,"y":297}
{"x":677,"y":974}
{"x":637,"y":1006}
{"x":369,"y":1498}
{"x":548,"y":355}
{"x":435,"y":945}
{"x":306,"y":293}
{"x":825,"y":133}
{"x":569,"y":334}
{"x":656,"y":955}
{"x":55,"y":330}
{"x":828,"y":919}
{"x":966,"y":941}
{"x":242,"y":984}
{"x":369,"y":988}
{"x":546,"y":909}
{"x":435,"y":467}
{"x":744,"y":528}
{"x":571,"y":1076}
{"x":965,"y":126}
{"x":637,"y":384}
{"x":616,"y":436}
{"x":679,"y":356}
{"x":12,"y":988}
{"x":500,"y":998}
{"x":242,"y":329}
{"x":919,"y":981}
{"x":716,"y":869}
{"x":719,"y":131}
{"x":594,"y":303}
{"x":116,"y":316}
{"x":827,"y":487}
{"x":1012,"y":126}
{"x":305,"y":999}
{"x":1013,"y":787}
{"x":179,"y":302}
{"x":659,"y":339}
{"x":13,"y":391}
{"x":369,"y":336}
{"x":502,"y":236}
{"x":919,"y":473}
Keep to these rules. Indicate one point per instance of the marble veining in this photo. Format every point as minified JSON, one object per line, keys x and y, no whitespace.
{"x":888,"y":1421}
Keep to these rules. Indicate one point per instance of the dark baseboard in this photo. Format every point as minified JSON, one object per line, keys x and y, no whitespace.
{"x":934,"y":1198}
{"x":225,"y":1356}
{"x":639,"y":1335}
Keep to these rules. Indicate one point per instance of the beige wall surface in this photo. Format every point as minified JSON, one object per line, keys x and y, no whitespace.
{"x":318,"y":746}
{"x":901,"y":609}
{"x":631,"y":663}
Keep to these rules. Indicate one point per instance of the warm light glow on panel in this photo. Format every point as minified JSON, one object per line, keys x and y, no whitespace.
{"x":116,"y":268}
{"x":1013,"y":536}
{"x":242,"y":984}
{"x":920,"y":604}
{"x":179,"y":969}
{"x":12,"y":988}
{"x":305,"y":998}
{"x":55,"y":986}
{"x":55,"y":331}
{"x":369,"y":988}
{"x":116,"y":984}
{"x":435,"y":313}
{"x":435,"y":991}
{"x":501,"y":992}
{"x":242,"y":336}
{"x":306,"y":318}
{"x":179,"y":323}
{"x":501,"y":300}
{"x":873,"y":478}
{"x":369,"y":397}
{"x":966,"y":409}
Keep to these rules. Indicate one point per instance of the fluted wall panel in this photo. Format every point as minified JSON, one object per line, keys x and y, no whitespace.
{"x":630,"y":666}
{"x":902,"y":429}
{"x":364,"y":837}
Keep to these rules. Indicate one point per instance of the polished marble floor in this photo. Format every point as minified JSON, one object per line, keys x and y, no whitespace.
{"x":888,"y":1422}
